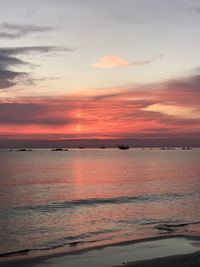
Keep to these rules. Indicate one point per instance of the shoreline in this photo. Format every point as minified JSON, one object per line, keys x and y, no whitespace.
{"x":147,"y":252}
{"x":185,"y":260}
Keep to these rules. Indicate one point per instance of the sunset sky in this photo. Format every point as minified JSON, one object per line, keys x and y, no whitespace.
{"x":91,"y":69}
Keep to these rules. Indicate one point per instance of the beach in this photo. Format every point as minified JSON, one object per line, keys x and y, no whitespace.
{"x":176,"y":251}
{"x":191,"y":260}
{"x":76,"y":209}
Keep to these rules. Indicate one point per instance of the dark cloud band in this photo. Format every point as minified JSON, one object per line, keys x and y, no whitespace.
{"x":10,"y":58}
{"x":13,"y":31}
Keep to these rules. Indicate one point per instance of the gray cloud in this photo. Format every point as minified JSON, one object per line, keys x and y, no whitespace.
{"x":9,"y":59}
{"x":182,"y":91}
{"x":146,"y":61}
{"x":12,"y":31}
{"x":186,"y":84}
{"x":6,"y":61}
{"x":9,"y":51}
{"x":9,"y":78}
{"x":34,"y":113}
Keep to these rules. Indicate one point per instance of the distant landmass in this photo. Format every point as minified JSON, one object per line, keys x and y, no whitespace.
{"x":92,"y":143}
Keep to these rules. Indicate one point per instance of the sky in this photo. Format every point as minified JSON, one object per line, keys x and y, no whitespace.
{"x":90,"y":69}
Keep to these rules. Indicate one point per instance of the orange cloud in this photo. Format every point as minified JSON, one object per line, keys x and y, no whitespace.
{"x":114,"y":61}
{"x":155,"y":111}
{"x":107,"y":119}
{"x":110,"y":61}
{"x":175,"y":110}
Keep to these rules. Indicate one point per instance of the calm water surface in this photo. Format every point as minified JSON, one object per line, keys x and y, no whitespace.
{"x":79,"y":198}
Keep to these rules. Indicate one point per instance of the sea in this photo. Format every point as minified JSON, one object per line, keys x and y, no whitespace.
{"x":52,"y":201}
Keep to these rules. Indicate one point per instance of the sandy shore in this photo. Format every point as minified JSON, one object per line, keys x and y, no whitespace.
{"x":157,"y":252}
{"x":188,"y":260}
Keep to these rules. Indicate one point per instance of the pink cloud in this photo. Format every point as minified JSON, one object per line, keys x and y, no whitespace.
{"x":115,"y":61}
{"x":170,"y":108}
{"x":110,"y":61}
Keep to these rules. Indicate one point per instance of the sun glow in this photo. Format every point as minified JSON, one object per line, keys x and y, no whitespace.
{"x":79,"y":128}
{"x":78,"y":115}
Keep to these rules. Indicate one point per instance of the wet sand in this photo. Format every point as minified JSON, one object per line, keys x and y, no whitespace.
{"x":189,"y":260}
{"x":176,"y":251}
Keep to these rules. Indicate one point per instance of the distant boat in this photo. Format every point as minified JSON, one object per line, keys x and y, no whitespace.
{"x":123,"y":147}
{"x":103,"y":147}
{"x":59,"y":149}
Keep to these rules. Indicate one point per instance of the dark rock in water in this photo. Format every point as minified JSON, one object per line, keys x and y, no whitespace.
{"x":59,"y":149}
{"x":102,"y":147}
{"x":123,"y":147}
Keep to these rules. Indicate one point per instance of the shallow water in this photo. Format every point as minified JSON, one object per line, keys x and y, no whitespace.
{"x":95,"y":196}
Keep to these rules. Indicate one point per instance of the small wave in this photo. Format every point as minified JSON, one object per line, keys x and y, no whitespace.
{"x":108,"y":201}
{"x":171,"y":227}
{"x":27,"y":251}
{"x":72,"y":241}
{"x":15,"y":253}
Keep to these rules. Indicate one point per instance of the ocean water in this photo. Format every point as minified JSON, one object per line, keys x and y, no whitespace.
{"x":88,"y":197}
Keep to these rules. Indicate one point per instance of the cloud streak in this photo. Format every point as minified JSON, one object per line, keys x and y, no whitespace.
{"x":13,"y":31}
